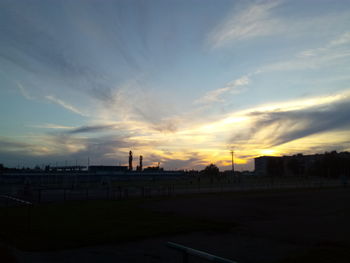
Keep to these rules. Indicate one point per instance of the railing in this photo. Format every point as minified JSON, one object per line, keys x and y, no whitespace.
{"x":186,"y":251}
{"x":16,"y":200}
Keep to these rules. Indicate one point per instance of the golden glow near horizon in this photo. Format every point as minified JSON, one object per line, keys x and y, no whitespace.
{"x":208,"y":142}
{"x":270,"y":152}
{"x":214,"y":135}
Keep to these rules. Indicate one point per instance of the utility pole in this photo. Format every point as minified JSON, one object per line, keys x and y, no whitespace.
{"x":141,"y":158}
{"x":233,"y":167}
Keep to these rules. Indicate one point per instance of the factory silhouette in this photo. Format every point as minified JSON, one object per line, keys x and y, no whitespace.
{"x":62,"y":183}
{"x":328,"y":164}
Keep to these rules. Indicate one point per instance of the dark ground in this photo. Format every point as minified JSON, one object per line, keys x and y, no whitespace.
{"x":269,"y":226}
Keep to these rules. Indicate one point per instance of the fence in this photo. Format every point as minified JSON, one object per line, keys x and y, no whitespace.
{"x":37,"y":194}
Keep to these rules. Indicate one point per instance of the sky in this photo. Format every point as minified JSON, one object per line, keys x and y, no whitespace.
{"x":181,"y":82}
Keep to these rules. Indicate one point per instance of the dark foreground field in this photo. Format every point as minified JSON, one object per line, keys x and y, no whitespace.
{"x":267,"y":226}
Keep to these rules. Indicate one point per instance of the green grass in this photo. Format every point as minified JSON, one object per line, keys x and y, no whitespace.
{"x":76,"y":224}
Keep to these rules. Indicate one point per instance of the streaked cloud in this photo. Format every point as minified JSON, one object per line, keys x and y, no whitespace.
{"x":64,"y":104}
{"x":341,"y":40}
{"x":92,"y":128}
{"x":24,"y":92}
{"x":334,"y":53}
{"x":275,"y":128}
{"x":264,"y":19}
{"x":233,"y":87}
{"x":52,"y":126}
{"x":270,"y":127}
{"x":251,"y":21}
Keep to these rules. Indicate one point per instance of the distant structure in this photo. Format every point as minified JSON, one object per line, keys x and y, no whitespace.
{"x":73,"y":168}
{"x":328,"y":164}
{"x":139,"y":167}
{"x":154,"y":169}
{"x":105,"y":169}
{"x":130,"y":161}
{"x":265,"y":164}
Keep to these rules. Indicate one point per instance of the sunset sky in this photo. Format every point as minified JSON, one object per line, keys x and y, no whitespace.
{"x":181,"y":82}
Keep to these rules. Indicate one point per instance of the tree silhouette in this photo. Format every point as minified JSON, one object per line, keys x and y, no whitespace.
{"x":211,"y":171}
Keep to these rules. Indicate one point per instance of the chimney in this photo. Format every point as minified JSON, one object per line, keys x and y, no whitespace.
{"x":130,"y":161}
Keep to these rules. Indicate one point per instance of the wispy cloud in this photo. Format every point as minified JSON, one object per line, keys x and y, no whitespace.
{"x":134,"y":103}
{"x":262,"y":18}
{"x":252,"y":21}
{"x":24,"y":91}
{"x":233,"y":87}
{"x":65,"y":105}
{"x":339,"y":41}
{"x":92,"y":128}
{"x":332,"y":53}
{"x":52,"y":126}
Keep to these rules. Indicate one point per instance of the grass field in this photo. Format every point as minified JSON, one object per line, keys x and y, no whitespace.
{"x":186,"y":182}
{"x":279,"y":226}
{"x":75,"y":224}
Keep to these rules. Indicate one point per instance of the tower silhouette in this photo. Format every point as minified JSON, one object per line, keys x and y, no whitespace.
{"x":130,"y":161}
{"x":140,"y":166}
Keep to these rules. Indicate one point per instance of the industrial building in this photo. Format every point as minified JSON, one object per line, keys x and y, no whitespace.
{"x":105,"y":169}
{"x":326,"y":164}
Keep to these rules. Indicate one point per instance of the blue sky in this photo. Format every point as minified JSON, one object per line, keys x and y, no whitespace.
{"x":180,"y":82}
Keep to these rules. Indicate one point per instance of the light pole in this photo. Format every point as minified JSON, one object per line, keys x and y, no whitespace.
{"x":233,"y":167}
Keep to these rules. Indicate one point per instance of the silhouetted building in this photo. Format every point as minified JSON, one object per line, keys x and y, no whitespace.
{"x":103,"y":169}
{"x":328,"y":164}
{"x":153,"y":169}
{"x":65,"y":168}
{"x":268,"y":165}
